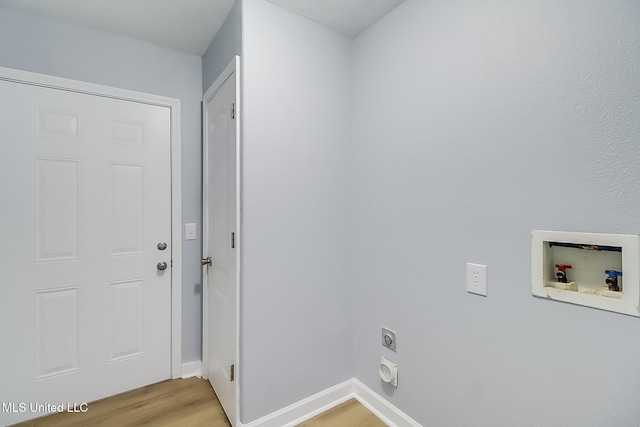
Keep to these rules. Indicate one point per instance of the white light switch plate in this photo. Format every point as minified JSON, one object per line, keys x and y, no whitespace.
{"x":190,"y":231}
{"x":477,"y":279}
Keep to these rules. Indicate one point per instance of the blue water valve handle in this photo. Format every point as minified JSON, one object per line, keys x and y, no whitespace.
{"x":612,"y":280}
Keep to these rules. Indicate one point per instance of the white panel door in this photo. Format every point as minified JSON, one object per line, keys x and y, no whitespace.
{"x":85,"y":191}
{"x":221,"y":244}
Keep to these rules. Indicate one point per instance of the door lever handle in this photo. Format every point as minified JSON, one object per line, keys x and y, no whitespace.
{"x":207,"y":261}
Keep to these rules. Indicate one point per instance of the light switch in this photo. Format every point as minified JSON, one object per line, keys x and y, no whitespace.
{"x":190,"y":231}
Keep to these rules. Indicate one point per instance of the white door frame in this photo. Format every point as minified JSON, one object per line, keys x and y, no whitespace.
{"x":36,"y":79}
{"x":233,"y":67}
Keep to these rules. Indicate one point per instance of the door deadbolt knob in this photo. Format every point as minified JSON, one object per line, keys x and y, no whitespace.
{"x":162,"y":266}
{"x":162,"y":246}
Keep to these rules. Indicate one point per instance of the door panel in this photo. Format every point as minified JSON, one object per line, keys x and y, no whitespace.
{"x":220,"y":243}
{"x":85,"y":183}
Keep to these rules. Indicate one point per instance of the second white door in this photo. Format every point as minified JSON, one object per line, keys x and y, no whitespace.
{"x":221,"y":240}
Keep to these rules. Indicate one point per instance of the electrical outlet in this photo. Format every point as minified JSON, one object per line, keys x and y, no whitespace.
{"x":389,"y":339}
{"x":477,"y":279}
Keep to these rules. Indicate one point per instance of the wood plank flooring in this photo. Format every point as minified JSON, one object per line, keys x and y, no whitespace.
{"x":348,"y":414}
{"x":189,"y":402}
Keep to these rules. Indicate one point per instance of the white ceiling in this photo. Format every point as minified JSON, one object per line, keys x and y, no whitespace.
{"x":349,"y":17}
{"x":190,"y":25}
{"x":187,"y":26}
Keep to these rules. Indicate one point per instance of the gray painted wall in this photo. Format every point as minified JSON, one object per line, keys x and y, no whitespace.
{"x":224,"y":47}
{"x":296,"y":321}
{"x":474,"y":123}
{"x":37,"y":44}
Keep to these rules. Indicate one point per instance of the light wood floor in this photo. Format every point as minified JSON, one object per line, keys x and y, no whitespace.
{"x":189,"y":402}
{"x":348,"y":414}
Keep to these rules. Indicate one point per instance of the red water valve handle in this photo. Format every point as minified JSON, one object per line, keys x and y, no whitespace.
{"x":563,"y":267}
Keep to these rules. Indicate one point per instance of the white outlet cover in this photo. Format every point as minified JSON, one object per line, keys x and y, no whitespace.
{"x":477,"y":279}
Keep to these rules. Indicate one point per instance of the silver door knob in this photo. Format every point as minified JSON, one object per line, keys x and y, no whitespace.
{"x":162,"y":266}
{"x":207,"y":261}
{"x":162,"y":246}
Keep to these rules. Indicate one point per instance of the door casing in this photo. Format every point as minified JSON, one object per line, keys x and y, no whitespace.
{"x":36,"y":79}
{"x":233,"y":67}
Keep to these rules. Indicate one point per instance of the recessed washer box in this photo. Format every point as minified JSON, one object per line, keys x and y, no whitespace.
{"x":590,"y":269}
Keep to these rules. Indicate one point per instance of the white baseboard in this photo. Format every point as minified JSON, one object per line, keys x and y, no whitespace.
{"x":192,"y":369}
{"x":381,"y":407}
{"x":333,"y":396}
{"x":306,"y":408}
